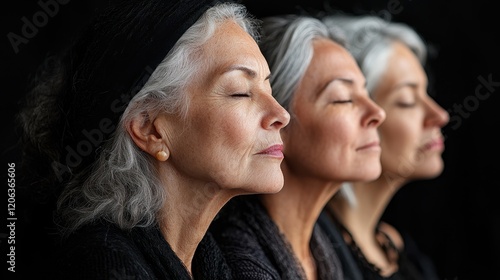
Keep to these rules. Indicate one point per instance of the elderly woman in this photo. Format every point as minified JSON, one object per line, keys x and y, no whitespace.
{"x":159,"y":131}
{"x":391,"y":56}
{"x":332,"y":138}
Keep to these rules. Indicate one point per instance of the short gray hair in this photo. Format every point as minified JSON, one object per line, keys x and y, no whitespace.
{"x":123,"y":186}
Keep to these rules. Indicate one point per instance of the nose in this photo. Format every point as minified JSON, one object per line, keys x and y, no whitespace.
{"x":374,"y":115}
{"x":435,"y":114}
{"x":276,"y":116}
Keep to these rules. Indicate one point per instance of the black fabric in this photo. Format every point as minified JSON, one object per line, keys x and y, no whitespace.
{"x":255,"y":248}
{"x":349,"y":265}
{"x":103,"y":251}
{"x":412,"y":264}
{"x":421,"y":261}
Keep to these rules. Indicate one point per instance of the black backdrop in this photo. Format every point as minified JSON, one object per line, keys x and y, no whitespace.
{"x":453,"y":217}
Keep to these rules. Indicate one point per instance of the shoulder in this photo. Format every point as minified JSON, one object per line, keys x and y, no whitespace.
{"x":244,"y":254}
{"x":240,"y":245}
{"x":236,"y":224}
{"x":100,"y":251}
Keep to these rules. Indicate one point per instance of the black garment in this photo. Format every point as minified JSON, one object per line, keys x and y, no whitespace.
{"x":103,"y":251}
{"x":349,"y":265}
{"x":412,"y":264}
{"x":255,"y":248}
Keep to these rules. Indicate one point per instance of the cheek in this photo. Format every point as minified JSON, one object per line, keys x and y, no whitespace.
{"x":399,"y":138}
{"x":213,"y":134}
{"x":317,"y":142}
{"x":225,"y":141}
{"x":238,"y":136}
{"x":231,"y":129}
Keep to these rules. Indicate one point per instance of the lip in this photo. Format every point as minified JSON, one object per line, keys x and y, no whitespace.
{"x":434,"y":144}
{"x":375,"y":146}
{"x":274,"y":151}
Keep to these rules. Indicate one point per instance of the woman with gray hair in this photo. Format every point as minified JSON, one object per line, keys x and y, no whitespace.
{"x":150,"y":131}
{"x":391,"y":56}
{"x":332,"y":138}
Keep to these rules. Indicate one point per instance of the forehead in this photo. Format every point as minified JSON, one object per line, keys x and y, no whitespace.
{"x":403,"y":67}
{"x":230,"y":40}
{"x":330,"y":62}
{"x":403,"y":70}
{"x":331,"y":59}
{"x":230,"y":46}
{"x":404,"y":63}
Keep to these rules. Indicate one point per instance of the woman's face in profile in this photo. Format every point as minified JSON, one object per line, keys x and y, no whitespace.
{"x":231,"y":136}
{"x":333,"y":131}
{"x":411,"y":137}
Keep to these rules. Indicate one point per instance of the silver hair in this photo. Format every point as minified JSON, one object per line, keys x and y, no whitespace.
{"x":370,"y":40}
{"x":124,"y":186}
{"x":287,"y":46}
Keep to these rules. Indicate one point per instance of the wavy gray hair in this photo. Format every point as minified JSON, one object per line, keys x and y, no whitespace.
{"x":123,"y":186}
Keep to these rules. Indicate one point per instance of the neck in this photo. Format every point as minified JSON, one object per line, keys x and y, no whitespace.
{"x":371,"y":200}
{"x":189,"y":209}
{"x":296,"y":208}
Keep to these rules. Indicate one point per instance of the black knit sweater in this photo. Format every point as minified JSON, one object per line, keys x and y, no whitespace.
{"x":255,"y":248}
{"x":103,"y":251}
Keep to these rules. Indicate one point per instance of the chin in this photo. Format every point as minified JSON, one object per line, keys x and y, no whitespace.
{"x":270,"y":188}
{"x":267,"y":185}
{"x":370,"y":172}
{"x":372,"y":176}
{"x":430,"y":169}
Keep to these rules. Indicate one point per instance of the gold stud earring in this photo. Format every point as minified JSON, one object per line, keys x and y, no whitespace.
{"x":162,"y":156}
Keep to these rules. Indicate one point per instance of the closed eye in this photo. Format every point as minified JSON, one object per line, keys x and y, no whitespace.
{"x":406,"y":105}
{"x":342,"y":101}
{"x":240,"y":95}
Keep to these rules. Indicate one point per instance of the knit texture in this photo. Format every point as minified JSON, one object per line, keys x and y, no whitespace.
{"x":103,"y":251}
{"x":255,"y":248}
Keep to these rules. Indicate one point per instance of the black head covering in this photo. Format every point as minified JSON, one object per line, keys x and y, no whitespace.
{"x":110,"y":64}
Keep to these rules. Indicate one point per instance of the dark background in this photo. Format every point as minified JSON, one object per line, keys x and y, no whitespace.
{"x":454,"y":218}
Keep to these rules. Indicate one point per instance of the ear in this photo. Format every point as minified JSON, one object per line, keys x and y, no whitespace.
{"x":149,"y":135}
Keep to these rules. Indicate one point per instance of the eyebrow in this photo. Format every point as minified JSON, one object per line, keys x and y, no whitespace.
{"x":343,"y":80}
{"x":405,"y":84}
{"x":245,"y":69}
